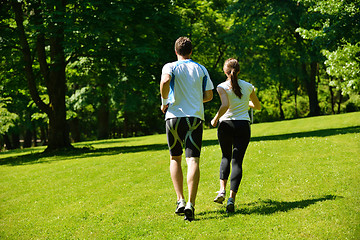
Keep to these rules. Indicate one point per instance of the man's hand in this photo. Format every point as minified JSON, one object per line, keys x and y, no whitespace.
{"x":164,"y":108}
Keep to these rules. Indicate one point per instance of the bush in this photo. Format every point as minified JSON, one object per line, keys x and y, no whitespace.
{"x":353,"y":104}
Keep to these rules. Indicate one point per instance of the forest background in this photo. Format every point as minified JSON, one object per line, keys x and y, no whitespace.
{"x":74,"y":70}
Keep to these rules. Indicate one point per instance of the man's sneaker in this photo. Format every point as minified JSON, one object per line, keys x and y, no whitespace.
{"x":220,"y":197}
{"x":189,"y":212}
{"x":230,"y":207}
{"x":180,"y":207}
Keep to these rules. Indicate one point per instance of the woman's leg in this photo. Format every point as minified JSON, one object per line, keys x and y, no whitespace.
{"x":225,"y":141}
{"x":224,"y":136}
{"x":241,"y":141}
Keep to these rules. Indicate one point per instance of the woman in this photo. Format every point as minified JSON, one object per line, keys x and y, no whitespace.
{"x":234,"y":128}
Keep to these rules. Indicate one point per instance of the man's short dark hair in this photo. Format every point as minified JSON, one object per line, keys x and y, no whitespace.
{"x":183,"y":46}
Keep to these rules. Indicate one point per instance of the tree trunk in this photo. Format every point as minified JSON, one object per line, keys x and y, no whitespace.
{"x":295,"y":95}
{"x":125,"y":127}
{"x":103,"y":117}
{"x":28,"y":138}
{"x":53,"y":74}
{"x":74,"y":130}
{"x":1,"y":143}
{"x":339,"y":103}
{"x":7,"y":141}
{"x":43,"y":136}
{"x":279,"y":96}
{"x":35,"y":137}
{"x":310,"y":83}
{"x":58,"y":133}
{"x":15,"y":140}
{"x":332,"y":100}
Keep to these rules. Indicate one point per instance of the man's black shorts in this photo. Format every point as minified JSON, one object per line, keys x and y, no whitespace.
{"x":188,"y":130}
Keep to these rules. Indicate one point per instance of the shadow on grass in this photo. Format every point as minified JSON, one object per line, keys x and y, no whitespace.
{"x":316,"y":133}
{"x":34,"y":158}
{"x":77,"y":153}
{"x":267,"y":207}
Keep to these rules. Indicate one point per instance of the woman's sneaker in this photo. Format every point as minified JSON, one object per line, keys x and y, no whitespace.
{"x":189,"y":212}
{"x":180,"y":207}
{"x":230,"y":206}
{"x":220,"y":197}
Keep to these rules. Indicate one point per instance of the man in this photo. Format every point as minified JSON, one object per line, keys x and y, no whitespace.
{"x":184,"y":86}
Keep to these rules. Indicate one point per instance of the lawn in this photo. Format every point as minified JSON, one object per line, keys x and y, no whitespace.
{"x":301,"y":181}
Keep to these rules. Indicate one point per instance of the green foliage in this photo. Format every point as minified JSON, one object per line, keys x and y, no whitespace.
{"x":332,"y":26}
{"x":353,"y":104}
{"x":114,"y":52}
{"x":344,"y":65}
{"x":6,"y":118}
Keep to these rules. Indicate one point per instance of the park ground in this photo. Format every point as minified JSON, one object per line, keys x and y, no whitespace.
{"x":301,"y":181}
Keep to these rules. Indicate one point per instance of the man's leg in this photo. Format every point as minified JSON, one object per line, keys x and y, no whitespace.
{"x":177,"y":176}
{"x":193,"y":177}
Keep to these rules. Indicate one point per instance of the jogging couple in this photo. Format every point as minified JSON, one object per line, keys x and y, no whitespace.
{"x":185,"y":85}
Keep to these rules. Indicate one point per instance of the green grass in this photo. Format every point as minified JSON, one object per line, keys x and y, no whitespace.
{"x":301,"y":181}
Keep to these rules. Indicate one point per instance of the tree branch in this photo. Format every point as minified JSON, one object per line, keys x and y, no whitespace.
{"x":40,"y":45}
{"x":17,"y":8}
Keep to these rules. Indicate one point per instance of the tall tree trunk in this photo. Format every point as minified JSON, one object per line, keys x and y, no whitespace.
{"x":7,"y":141}
{"x":15,"y":139}
{"x":332,"y":100}
{"x":74,"y":130}
{"x":35,"y":137}
{"x":103,"y":118}
{"x":28,"y":138}
{"x":54,"y":76}
{"x":339,"y":103}
{"x":43,"y":135}
{"x":126,"y":126}
{"x":310,"y":83}
{"x":1,"y":143}
{"x":295,"y":95}
{"x":279,"y":97}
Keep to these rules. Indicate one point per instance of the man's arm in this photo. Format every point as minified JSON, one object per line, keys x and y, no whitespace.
{"x":165,"y":89}
{"x":208,"y":96}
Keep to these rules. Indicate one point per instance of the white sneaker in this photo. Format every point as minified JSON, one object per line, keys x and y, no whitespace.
{"x":189,"y":212}
{"x":180,"y":207}
{"x":220,"y":197}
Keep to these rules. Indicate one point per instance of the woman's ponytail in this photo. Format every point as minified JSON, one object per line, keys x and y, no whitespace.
{"x":231,"y":66}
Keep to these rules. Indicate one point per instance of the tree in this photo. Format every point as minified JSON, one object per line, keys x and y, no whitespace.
{"x":333,"y":28}
{"x":263,"y":38}
{"x":6,"y":118}
{"x":108,"y":35}
{"x":47,"y":24}
{"x":120,"y":73}
{"x":344,"y":65}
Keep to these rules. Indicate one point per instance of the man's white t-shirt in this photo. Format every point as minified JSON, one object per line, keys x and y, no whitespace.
{"x":238,"y":107}
{"x":188,"y":83}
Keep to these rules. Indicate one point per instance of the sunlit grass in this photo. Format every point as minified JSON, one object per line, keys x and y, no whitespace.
{"x":301,"y":181}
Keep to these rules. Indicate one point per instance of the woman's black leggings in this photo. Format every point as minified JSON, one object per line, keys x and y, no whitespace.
{"x":234,"y":137}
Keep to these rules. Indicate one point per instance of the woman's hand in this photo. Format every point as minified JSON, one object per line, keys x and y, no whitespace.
{"x":214,"y":122}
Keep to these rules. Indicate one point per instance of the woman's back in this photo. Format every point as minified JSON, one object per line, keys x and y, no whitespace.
{"x":238,"y":107}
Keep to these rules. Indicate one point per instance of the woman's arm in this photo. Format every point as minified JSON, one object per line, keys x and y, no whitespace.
{"x":223,"y":108}
{"x":254,"y":103}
